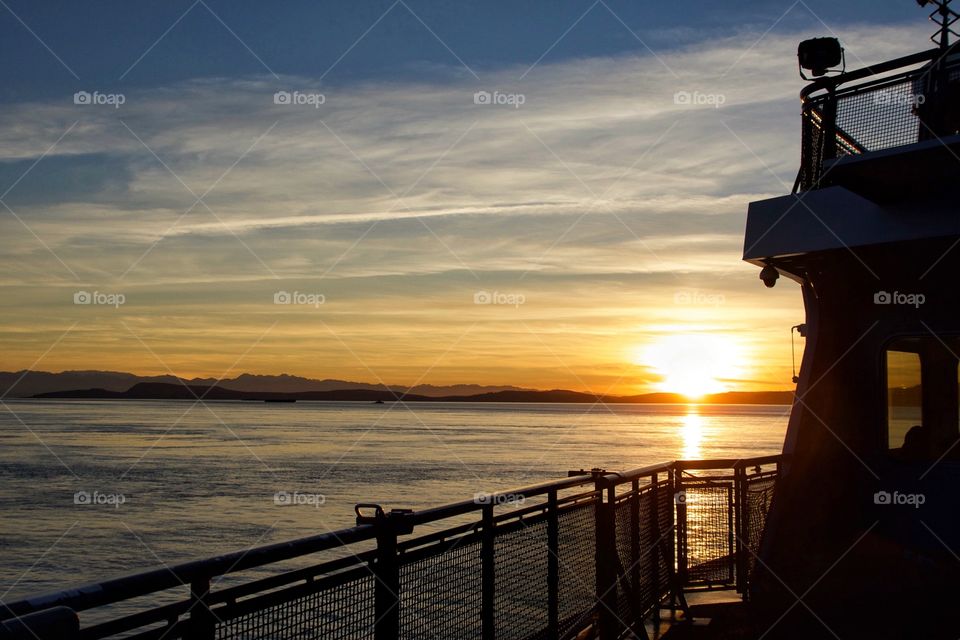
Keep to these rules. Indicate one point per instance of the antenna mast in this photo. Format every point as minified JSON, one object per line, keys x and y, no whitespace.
{"x":944,"y":17}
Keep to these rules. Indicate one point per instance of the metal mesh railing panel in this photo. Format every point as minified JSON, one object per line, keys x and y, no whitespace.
{"x":759,"y":494}
{"x":650,"y":563}
{"x":665,"y":507}
{"x":811,"y":156}
{"x":651,"y":538}
{"x":878,"y":115}
{"x":521,"y":602}
{"x":577,"y":544}
{"x":440,"y":594}
{"x":644,"y":537}
{"x":628,"y":606}
{"x":709,"y":534}
{"x":879,"y":118}
{"x":342,"y":611}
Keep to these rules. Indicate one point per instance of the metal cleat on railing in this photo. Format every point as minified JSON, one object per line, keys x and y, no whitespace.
{"x":596,"y":472}
{"x":399,"y":520}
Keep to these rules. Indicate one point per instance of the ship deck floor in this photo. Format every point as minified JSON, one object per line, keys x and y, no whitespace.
{"x":714,"y":616}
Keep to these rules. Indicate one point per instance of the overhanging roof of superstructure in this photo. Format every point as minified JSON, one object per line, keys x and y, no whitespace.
{"x":836,"y":218}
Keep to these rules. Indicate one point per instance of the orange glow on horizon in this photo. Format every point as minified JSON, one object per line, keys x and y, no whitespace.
{"x":692,"y":365}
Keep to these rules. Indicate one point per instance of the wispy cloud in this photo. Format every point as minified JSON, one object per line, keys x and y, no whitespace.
{"x":613,"y":180}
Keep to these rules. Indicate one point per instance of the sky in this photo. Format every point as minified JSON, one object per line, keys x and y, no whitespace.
{"x":542,"y":194}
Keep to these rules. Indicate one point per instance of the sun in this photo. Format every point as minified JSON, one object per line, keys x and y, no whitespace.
{"x":692,"y":365}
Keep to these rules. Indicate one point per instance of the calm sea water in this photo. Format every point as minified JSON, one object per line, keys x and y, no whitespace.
{"x":169,"y":481}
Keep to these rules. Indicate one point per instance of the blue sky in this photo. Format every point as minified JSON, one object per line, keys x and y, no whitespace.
{"x":100,"y":41}
{"x":612,"y":207}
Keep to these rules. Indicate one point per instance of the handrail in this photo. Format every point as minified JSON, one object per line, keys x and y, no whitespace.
{"x":628,"y":476}
{"x":383,"y":560}
{"x":729,"y":463}
{"x":433,"y":514}
{"x":838,"y":121}
{"x":832,"y":82}
{"x":140,"y":584}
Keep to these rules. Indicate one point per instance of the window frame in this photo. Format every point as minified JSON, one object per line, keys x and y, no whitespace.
{"x":884,"y":433}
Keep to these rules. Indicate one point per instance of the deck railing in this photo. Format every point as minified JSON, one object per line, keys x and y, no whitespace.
{"x":597,"y":549}
{"x":889,"y":105}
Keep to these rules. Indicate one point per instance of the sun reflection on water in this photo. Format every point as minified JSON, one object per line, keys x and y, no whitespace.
{"x":692,"y":433}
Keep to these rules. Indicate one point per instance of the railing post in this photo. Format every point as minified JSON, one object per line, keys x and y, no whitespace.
{"x":807,"y":157}
{"x":829,"y":128}
{"x":635,"y":533}
{"x":553,"y":566}
{"x":654,"y":550}
{"x":741,"y":515}
{"x":606,"y":555}
{"x":386,"y":567}
{"x":488,"y":576}
{"x":635,"y":524}
{"x":680,"y":500}
{"x":732,"y":530}
{"x":386,"y":590}
{"x":202,"y":625}
{"x":670,"y":525}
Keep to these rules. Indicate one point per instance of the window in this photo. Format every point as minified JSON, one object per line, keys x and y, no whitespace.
{"x":923,"y":387}
{"x":904,"y":396}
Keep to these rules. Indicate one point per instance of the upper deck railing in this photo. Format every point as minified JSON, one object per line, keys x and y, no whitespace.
{"x":897,"y":103}
{"x":597,"y":549}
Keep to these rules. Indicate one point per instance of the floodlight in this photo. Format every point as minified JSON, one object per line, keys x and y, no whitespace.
{"x":820,"y":56}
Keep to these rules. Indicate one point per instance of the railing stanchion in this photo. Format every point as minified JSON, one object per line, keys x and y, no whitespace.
{"x":606,"y":558}
{"x":639,"y":607}
{"x":829,"y":128}
{"x":386,"y":602}
{"x":670,"y":524}
{"x":488,"y":579}
{"x":680,"y":500}
{"x":740,"y":515}
{"x":553,"y":566}
{"x":655,"y":545}
{"x":202,"y":625}
{"x":386,"y":568}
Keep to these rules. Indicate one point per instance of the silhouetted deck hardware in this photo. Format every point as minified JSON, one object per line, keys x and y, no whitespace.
{"x":820,"y":56}
{"x":597,"y":549}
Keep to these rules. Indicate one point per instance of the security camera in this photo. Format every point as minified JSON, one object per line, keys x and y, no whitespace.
{"x":769,"y":275}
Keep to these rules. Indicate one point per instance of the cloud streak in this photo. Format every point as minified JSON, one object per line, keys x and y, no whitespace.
{"x":599,"y":186}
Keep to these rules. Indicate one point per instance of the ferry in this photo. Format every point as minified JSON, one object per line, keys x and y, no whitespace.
{"x":852,"y":532}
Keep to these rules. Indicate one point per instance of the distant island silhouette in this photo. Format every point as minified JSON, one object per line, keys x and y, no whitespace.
{"x":25,"y":384}
{"x":119,"y":386}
